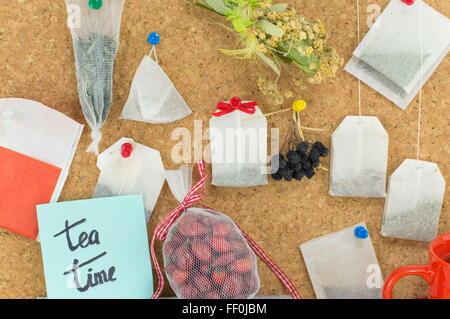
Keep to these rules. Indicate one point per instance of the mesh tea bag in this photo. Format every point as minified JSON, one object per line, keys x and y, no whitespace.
{"x":359,"y":149}
{"x":343,"y":265}
{"x":403,"y":39}
{"x":413,"y":204}
{"x":95,"y":35}
{"x":153,"y":97}
{"x":206,"y":255}
{"x":238,"y":148}
{"x":129,"y":168}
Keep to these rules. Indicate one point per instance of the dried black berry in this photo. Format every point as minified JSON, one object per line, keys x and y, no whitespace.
{"x":310,"y":173}
{"x":298,"y":175}
{"x":303,"y":147}
{"x":285,"y":172}
{"x":293,"y":157}
{"x":277,"y":176}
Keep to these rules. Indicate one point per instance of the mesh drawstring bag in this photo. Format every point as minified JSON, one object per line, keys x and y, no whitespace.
{"x":95,"y":42}
{"x":206,"y":255}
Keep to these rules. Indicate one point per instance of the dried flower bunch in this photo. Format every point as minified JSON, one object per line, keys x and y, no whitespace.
{"x":279,"y":37}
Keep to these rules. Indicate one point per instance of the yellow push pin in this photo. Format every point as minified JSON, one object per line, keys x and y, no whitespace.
{"x":299,"y":105}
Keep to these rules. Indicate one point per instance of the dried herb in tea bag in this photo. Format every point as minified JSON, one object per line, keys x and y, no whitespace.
{"x":359,"y":149}
{"x":95,"y":42}
{"x":413,"y":204}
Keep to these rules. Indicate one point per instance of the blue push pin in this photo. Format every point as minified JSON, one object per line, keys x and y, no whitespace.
{"x":153,"y":38}
{"x":361,"y":232}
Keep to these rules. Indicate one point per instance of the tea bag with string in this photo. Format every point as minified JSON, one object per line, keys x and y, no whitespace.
{"x":415,"y":193}
{"x":387,"y":59}
{"x":153,"y":97}
{"x":238,"y":147}
{"x":129,"y":168}
{"x":359,"y":153}
{"x":343,"y":265}
{"x":95,"y":29}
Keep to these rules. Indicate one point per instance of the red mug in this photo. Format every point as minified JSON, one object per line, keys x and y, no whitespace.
{"x":436,"y":273}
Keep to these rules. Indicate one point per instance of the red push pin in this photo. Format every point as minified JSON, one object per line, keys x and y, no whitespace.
{"x":235,"y":102}
{"x":127,"y":148}
{"x":409,"y":2}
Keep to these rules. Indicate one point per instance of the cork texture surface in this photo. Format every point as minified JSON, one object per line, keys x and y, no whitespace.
{"x":37,"y":63}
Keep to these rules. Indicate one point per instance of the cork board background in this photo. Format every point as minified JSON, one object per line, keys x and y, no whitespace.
{"x":37,"y":63}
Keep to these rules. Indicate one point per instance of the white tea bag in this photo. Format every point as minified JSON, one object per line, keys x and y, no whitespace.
{"x":238,"y":149}
{"x":403,"y":39}
{"x":141,"y":173}
{"x":359,"y":150}
{"x":37,"y":131}
{"x":343,"y":266}
{"x":153,"y":97}
{"x":413,"y":204}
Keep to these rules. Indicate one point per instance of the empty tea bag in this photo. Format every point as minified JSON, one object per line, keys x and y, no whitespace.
{"x":95,"y":33}
{"x":130,"y":168}
{"x":238,"y":147}
{"x":402,"y":40}
{"x":359,"y":149}
{"x":153,"y":97}
{"x":343,"y":265}
{"x":413,"y":204}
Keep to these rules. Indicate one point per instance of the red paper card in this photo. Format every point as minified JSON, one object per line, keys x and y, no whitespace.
{"x":24,"y":183}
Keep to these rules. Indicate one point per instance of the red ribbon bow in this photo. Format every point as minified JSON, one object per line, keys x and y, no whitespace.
{"x":234,"y":104}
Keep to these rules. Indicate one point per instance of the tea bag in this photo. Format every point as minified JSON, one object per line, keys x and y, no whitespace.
{"x":95,"y":41}
{"x":342,"y":265}
{"x":141,"y":173}
{"x":413,"y":204}
{"x":359,"y":149}
{"x":238,"y":148}
{"x":153,"y":97}
{"x":404,"y":38}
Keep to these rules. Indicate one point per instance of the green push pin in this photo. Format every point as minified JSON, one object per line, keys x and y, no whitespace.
{"x":95,"y":4}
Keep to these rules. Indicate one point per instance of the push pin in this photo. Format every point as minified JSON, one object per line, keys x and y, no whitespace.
{"x":95,"y":4}
{"x":127,"y":148}
{"x":361,"y":232}
{"x":409,"y":2}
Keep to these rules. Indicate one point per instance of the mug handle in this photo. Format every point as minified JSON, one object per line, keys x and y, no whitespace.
{"x":410,"y":270}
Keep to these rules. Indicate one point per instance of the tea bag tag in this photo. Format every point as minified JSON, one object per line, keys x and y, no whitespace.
{"x":129,"y":168}
{"x":359,"y":150}
{"x":414,"y":200}
{"x":343,"y":265}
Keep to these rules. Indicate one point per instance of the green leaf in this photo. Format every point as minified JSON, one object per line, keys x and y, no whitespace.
{"x":303,"y":61}
{"x":279,"y":7}
{"x":269,"y":62}
{"x":217,"y":5}
{"x":240,"y":24}
{"x":283,"y":58}
{"x":270,"y":28}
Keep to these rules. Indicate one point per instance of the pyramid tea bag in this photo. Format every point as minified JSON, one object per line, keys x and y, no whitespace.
{"x":129,"y":168}
{"x":153,"y":97}
{"x":343,"y":265}
{"x":359,"y":149}
{"x":95,"y":41}
{"x":238,"y":148}
{"x":413,"y":204}
{"x":403,"y":39}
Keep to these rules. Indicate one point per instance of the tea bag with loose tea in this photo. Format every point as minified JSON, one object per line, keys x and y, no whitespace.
{"x":343,"y":265}
{"x":359,"y":149}
{"x":238,"y":147}
{"x":95,"y":34}
{"x":404,"y":38}
{"x":153,"y":97}
{"x":413,"y":204}
{"x":129,"y":168}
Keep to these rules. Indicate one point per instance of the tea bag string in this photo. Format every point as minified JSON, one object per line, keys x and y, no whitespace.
{"x":153,"y":52}
{"x":359,"y":39}
{"x":419,"y":115}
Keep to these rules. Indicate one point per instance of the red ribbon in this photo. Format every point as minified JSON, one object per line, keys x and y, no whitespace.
{"x":234,"y":104}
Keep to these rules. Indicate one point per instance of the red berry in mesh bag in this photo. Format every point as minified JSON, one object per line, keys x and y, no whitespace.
{"x":192,"y":229}
{"x":204,"y":268}
{"x":169,"y":248}
{"x":232,"y":285}
{"x":219,"y":276}
{"x":170,"y":268}
{"x":202,"y":283}
{"x":179,"y":276}
{"x":185,"y":259}
{"x":212,"y":295}
{"x":223,"y":260}
{"x":188,"y":291}
{"x":221,"y":230}
{"x":242,"y":265}
{"x":220,"y":244}
{"x":201,"y":250}
{"x":238,"y":246}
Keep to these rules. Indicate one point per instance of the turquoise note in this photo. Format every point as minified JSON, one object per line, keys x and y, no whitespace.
{"x":96,"y":248}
